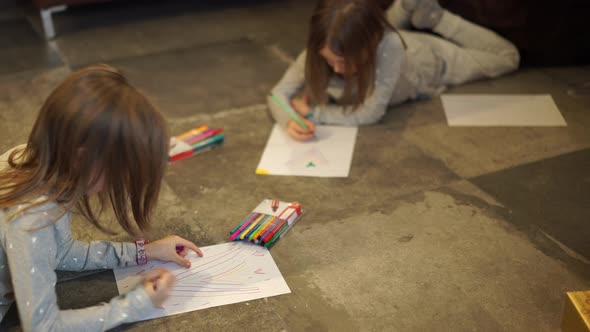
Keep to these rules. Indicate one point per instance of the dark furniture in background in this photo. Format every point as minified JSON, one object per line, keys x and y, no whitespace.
{"x":547,"y":32}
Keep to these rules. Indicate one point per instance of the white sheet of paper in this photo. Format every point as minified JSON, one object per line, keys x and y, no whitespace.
{"x":329,"y":154}
{"x":502,"y":110}
{"x":227,"y":273}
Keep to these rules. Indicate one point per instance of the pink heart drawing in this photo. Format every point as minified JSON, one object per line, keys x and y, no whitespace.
{"x":259,"y":271}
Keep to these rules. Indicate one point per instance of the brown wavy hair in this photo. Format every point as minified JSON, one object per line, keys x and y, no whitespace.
{"x":351,"y":29}
{"x":94,"y":129}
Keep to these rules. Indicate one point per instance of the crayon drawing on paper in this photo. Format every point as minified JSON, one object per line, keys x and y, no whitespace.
{"x":227,"y":273}
{"x":329,"y":154}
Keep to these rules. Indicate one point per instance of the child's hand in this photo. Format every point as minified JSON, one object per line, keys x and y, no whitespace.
{"x":158,"y":284}
{"x":166,"y":250}
{"x":301,"y":105}
{"x":299,"y":133}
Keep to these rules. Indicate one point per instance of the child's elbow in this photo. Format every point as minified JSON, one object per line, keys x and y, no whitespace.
{"x":369,"y":118}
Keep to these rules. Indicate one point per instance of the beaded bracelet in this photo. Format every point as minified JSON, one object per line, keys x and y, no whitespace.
{"x":141,"y":256}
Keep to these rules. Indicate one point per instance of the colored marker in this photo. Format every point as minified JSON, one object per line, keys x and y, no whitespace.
{"x":197,"y":134}
{"x":192,"y":132}
{"x":155,"y":283}
{"x":256,"y":227}
{"x":249,"y":228}
{"x":179,"y":248}
{"x":289,"y":111}
{"x":247,"y":219}
{"x":277,"y":235}
{"x":254,"y":230}
{"x":263,"y":229}
{"x":237,"y":233}
{"x":206,"y":144}
{"x":259,"y":237}
{"x":274,"y":227}
{"x":271,"y":228}
{"x":245,"y":234}
{"x":274,"y":205}
{"x":211,"y":140}
{"x":263,"y":225}
{"x":204,"y":135}
{"x":271,"y":234}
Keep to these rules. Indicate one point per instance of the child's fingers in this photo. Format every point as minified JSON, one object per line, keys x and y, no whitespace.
{"x":298,"y":128}
{"x":154,"y":274}
{"x":152,"y":277}
{"x":299,"y":136}
{"x":190,"y":245}
{"x":306,"y":133}
{"x":158,"y":284}
{"x":167,"y":279}
{"x":181,"y":261}
{"x":310,"y":125}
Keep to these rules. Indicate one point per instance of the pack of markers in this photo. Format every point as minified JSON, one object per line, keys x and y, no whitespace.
{"x":267,"y":223}
{"x":194,"y":141}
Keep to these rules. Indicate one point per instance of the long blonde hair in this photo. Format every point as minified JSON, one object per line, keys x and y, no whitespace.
{"x":95,"y":128}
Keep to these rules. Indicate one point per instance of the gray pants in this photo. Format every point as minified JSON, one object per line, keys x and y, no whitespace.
{"x":465,"y":52}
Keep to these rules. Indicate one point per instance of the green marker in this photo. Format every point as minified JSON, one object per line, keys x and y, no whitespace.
{"x":289,"y":111}
{"x":277,"y":235}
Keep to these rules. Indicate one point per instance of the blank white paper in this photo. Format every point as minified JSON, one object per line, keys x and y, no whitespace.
{"x":502,"y":110}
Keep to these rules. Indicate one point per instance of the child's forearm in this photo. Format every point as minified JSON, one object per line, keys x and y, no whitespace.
{"x":123,"y":309}
{"x":96,"y":255}
{"x":279,"y":115}
{"x":33,"y":256}
{"x":288,"y":86}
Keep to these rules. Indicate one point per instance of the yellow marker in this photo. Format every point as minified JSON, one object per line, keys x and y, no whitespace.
{"x":252,"y":226}
{"x":263,"y":228}
{"x":261,"y":171}
{"x":192,"y":132}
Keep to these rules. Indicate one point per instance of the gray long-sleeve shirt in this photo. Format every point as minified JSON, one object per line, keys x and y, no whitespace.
{"x":466,"y":52}
{"x":33,"y":245}
{"x":396,"y":81}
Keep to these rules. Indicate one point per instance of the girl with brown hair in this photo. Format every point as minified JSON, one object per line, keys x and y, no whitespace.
{"x":95,"y":136}
{"x":360,"y":59}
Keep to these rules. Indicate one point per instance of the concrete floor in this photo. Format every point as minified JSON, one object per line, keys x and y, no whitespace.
{"x":436,"y":229}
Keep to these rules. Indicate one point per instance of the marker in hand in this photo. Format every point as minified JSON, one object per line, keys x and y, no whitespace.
{"x":154,"y":282}
{"x":290,"y":111}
